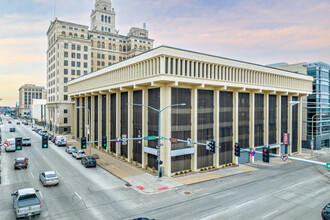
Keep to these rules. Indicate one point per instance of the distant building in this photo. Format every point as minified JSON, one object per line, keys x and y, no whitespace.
{"x":27,"y":93}
{"x":75,"y":50}
{"x":38,"y":111}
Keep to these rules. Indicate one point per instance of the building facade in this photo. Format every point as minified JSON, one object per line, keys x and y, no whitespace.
{"x":27,"y":93}
{"x":227,"y":101}
{"x":38,"y":111}
{"x":318,"y":109}
{"x":75,"y":50}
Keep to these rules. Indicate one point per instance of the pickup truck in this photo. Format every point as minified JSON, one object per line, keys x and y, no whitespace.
{"x":26,"y":202}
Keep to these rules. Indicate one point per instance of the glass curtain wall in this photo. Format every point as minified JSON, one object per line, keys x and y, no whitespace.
{"x":104,"y":115}
{"x":284,"y":115}
{"x":272,"y":120}
{"x":137,"y":126}
{"x":181,"y":126}
{"x":243,"y":119}
{"x":96,"y":119}
{"x":225,"y":127}
{"x":124,"y":121}
{"x":153,"y":101}
{"x":113,"y":121}
{"x":259,"y":120}
{"x":205,"y":121}
{"x":294,"y":126}
{"x":78,"y":118}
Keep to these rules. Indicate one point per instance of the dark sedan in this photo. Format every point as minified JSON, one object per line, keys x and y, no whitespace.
{"x":88,"y":161}
{"x":326,"y":212}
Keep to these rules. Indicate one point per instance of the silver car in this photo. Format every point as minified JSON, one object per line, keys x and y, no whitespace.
{"x":49,"y":178}
{"x":26,"y":141}
{"x":78,"y":154}
{"x":69,"y":149}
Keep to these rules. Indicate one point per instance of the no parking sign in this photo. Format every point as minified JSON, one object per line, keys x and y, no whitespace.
{"x":252,"y":151}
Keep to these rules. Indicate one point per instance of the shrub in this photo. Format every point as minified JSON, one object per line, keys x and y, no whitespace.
{"x":136,"y":163}
{"x":213,"y":167}
{"x":153,"y":169}
{"x":185,"y":171}
{"x":181,"y":172}
{"x":233,"y":164}
{"x":223,"y":166}
{"x":190,"y":170}
{"x":176,"y":173}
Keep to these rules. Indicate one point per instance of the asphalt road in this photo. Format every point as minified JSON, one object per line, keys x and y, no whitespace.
{"x":290,"y":191}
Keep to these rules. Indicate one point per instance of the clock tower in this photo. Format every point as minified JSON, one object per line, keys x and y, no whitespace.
{"x":103,"y":17}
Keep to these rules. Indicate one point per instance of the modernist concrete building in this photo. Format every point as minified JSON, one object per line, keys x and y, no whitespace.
{"x":27,"y":93}
{"x":226,"y":100}
{"x":75,"y":50}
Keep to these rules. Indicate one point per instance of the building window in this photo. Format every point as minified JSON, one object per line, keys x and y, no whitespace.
{"x":98,"y":56}
{"x":73,"y":72}
{"x":78,"y":72}
{"x":66,"y":54}
{"x":102,"y":63}
{"x":66,"y":46}
{"x":65,"y":79}
{"x":73,"y":46}
{"x":85,"y":56}
{"x":65,"y":111}
{"x":73,"y":64}
{"x":85,"y":48}
{"x":102,"y":17}
{"x":66,"y":63}
{"x":65,"y":120}
{"x":102,"y":56}
{"x":78,"y":47}
{"x":78,"y":64}
{"x":85,"y":65}
{"x":73,"y":55}
{"x":109,"y":64}
{"x":66,"y":71}
{"x":114,"y":58}
{"x":65,"y":88}
{"x":78,"y":55}
{"x":109,"y":57}
{"x":65,"y":97}
{"x":98,"y":63}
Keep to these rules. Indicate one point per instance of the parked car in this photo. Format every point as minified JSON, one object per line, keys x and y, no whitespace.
{"x":18,"y":123}
{"x":26,"y":123}
{"x":48,"y":178}
{"x":26,"y":141}
{"x":9,"y":122}
{"x":11,"y":146}
{"x":12,"y":129}
{"x":88,"y":161}
{"x":60,"y":141}
{"x":37,"y":130}
{"x":78,"y":154}
{"x":53,"y":139}
{"x":34,"y":128}
{"x":69,"y":149}
{"x":325,"y":213}
{"x":50,"y":137}
{"x":26,"y":203}
{"x":21,"y":162}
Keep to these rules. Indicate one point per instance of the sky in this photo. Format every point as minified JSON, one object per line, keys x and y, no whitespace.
{"x":257,"y":31}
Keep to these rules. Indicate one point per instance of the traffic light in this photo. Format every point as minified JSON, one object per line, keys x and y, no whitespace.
{"x":104,"y":142}
{"x":44,"y":142}
{"x":265,"y":154}
{"x":83,"y":143}
{"x":237,"y":149}
{"x":18,"y":143}
{"x":212,"y":146}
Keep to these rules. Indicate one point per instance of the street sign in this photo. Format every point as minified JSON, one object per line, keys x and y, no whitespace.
{"x":284,"y":157}
{"x":149,"y":138}
{"x":252,"y":152}
{"x":174,"y":140}
{"x":189,"y":142}
{"x":285,"y":138}
{"x":124,"y":139}
{"x":6,"y":144}
{"x":328,"y":166}
{"x":118,"y":140}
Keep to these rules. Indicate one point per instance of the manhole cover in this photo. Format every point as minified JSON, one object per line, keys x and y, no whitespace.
{"x":187,"y":193}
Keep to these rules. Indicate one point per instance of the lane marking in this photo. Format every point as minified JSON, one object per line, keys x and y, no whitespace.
{"x":265,"y":216}
{"x":78,"y":195}
{"x":223,"y":195}
{"x":245,"y":203}
{"x":163,"y":188}
{"x":140,"y":187}
{"x":32,"y":175}
{"x":41,"y":195}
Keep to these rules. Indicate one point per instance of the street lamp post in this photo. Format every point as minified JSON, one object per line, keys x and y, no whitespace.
{"x":88,"y":129}
{"x":159,"y":127}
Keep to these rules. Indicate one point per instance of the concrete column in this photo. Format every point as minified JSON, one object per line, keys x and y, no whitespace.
{"x":92,"y":119}
{"x":74,"y":117}
{"x":252,"y":121}
{"x":108,"y":118}
{"x":290,"y":124}
{"x":118,"y":121}
{"x":235,"y":122}
{"x":174,"y":66}
{"x":144,"y":125}
{"x":266,"y":118}
{"x":278,"y":123}
{"x":216,"y":128}
{"x":162,"y":65}
{"x":194,"y":111}
{"x":300,"y":124}
{"x":99,"y":121}
{"x":165,"y":150}
{"x":130,"y":127}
